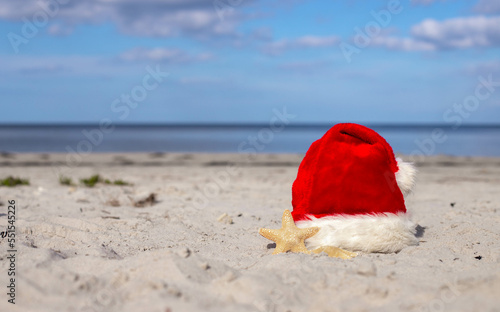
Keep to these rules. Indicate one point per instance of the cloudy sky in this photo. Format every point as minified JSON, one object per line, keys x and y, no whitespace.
{"x":237,"y":60}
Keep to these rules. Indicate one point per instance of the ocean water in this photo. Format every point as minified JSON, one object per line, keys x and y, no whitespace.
{"x":405,"y":139}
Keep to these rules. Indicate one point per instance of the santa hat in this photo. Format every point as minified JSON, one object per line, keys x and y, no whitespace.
{"x":351,"y":186}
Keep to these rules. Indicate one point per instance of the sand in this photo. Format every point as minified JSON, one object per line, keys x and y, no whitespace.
{"x":196,"y":248}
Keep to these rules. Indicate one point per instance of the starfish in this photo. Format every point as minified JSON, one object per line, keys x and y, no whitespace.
{"x":289,"y":237}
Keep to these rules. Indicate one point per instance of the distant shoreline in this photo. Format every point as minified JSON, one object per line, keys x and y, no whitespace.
{"x":158,"y":159}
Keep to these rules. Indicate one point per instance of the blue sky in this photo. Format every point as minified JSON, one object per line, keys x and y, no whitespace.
{"x":64,"y":61}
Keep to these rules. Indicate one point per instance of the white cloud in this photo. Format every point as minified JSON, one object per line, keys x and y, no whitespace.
{"x":164,"y":55}
{"x":162,"y":18}
{"x":402,"y":44}
{"x":455,"y":33}
{"x":55,"y":65}
{"x":459,"y":33}
{"x":487,"y":7}
{"x":314,"y":41}
{"x":59,"y":30}
{"x":281,"y":46}
{"x":125,"y":63}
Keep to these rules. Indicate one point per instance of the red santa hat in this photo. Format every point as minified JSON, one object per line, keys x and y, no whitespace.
{"x":351,"y":186}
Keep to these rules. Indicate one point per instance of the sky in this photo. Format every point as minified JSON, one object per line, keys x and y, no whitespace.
{"x":238,"y":61}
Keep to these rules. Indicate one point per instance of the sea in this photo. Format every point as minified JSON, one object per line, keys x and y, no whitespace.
{"x":466,"y":140}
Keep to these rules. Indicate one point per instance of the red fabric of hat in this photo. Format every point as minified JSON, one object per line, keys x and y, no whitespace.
{"x":349,"y":171}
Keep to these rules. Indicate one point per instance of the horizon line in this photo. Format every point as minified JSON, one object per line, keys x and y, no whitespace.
{"x":252,"y":125}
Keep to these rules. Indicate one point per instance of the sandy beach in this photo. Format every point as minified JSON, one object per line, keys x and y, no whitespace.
{"x":194,"y":245}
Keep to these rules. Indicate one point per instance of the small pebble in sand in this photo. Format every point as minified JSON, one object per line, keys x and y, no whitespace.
{"x":148,"y":201}
{"x":184,"y":252}
{"x":225,"y":218}
{"x":113,"y":203}
{"x":204,"y":265}
{"x":174,"y":291}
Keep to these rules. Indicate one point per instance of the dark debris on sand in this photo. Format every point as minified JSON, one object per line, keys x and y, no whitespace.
{"x":148,"y":201}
